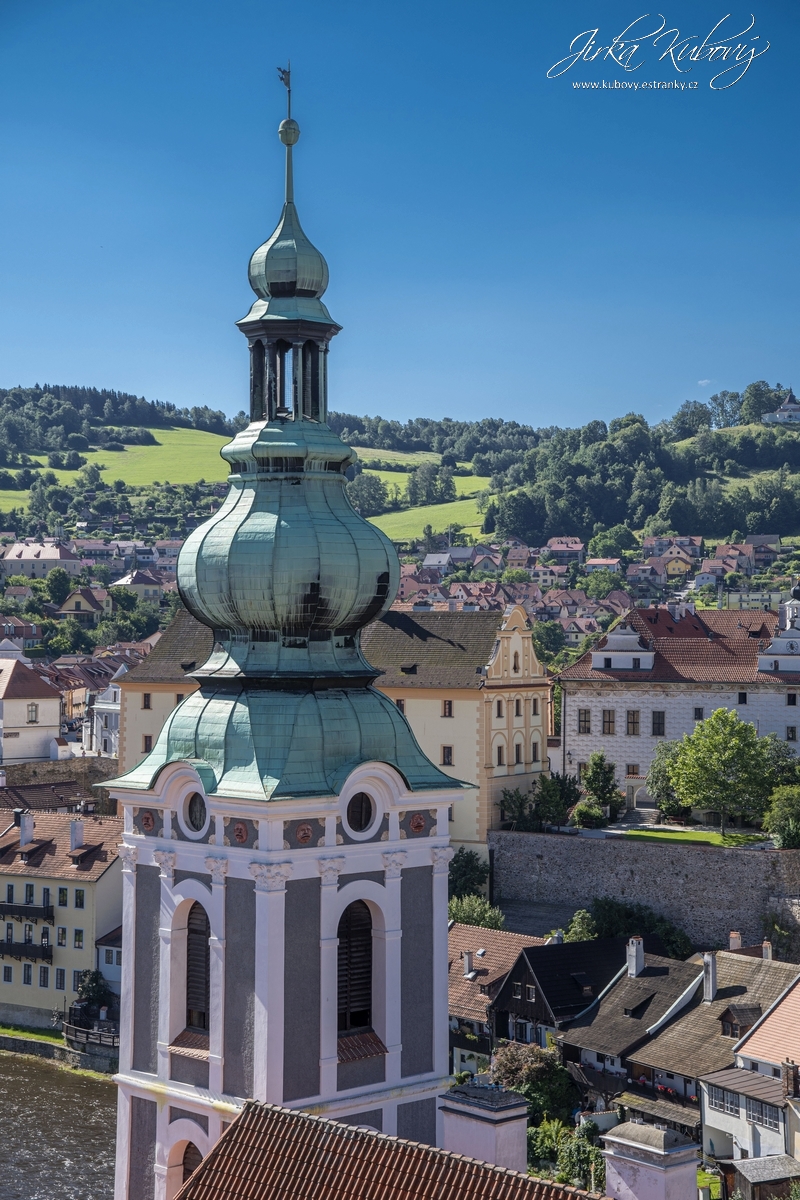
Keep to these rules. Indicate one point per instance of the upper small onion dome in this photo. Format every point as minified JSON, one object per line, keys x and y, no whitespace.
{"x":287,"y":264}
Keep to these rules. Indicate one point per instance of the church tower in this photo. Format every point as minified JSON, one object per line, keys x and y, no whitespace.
{"x":285,"y":845}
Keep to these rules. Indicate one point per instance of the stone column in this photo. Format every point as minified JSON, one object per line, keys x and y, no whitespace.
{"x":166,"y":861}
{"x":329,"y":869}
{"x":128,"y":856}
{"x":270,"y":880}
{"x":393,"y":863}
{"x":441,"y":856}
{"x":218,"y":869}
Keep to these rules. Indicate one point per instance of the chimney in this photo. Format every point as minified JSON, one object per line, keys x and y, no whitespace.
{"x":766,"y":948}
{"x":76,"y":834}
{"x":709,"y":977}
{"x":789,"y":1079}
{"x":734,"y":940}
{"x":25,"y":828}
{"x":483,"y":1120}
{"x":467,"y":963}
{"x":2,"y":779}
{"x":635,"y":957}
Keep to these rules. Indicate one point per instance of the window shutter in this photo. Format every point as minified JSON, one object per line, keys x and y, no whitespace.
{"x":355,"y":967}
{"x":197,"y":967}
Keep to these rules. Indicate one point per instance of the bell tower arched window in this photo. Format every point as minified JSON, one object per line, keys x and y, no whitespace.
{"x":355,"y":968}
{"x":198,"y":932}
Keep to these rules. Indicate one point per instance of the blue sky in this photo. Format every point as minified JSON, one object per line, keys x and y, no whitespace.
{"x":500,"y":243}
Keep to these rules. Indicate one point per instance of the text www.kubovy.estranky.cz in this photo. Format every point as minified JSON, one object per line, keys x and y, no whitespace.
{"x":617,"y":85}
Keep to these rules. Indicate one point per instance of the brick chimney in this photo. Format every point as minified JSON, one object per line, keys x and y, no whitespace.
{"x":789,"y":1078}
{"x":734,"y":940}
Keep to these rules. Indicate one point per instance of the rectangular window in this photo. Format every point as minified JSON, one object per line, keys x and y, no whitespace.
{"x":499,"y":708}
{"x":534,"y":707}
{"x":716,"y":1098}
{"x":9,"y":893}
{"x":27,"y":974}
{"x":9,"y":931}
{"x":46,"y":897}
{"x":76,"y":980}
{"x":584,"y":720}
{"x":45,"y":935}
{"x":33,"y":714}
{"x":44,"y":977}
{"x":79,"y":897}
{"x":517,"y":752}
{"x":530,"y":992}
{"x":516,"y":991}
{"x":770,"y":1116}
{"x":609,"y":719}
{"x":632,"y":769}
{"x":27,"y":934}
{"x":754,"y":1112}
{"x":698,"y":714}
{"x":518,"y":708}
{"x":732,"y":1103}
{"x":109,"y":958}
{"x":77,"y":940}
{"x":29,"y":893}
{"x":501,"y":756}
{"x":742,"y":698}
{"x":8,"y":974}
{"x":401,"y":704}
{"x":147,"y":743}
{"x":791,"y":733}
{"x":534,"y":751}
{"x":61,"y":936}
{"x":791,"y":698}
{"x":61,"y":979}
{"x":607,"y":664}
{"x":119,"y":952}
{"x":447,"y":708}
{"x":447,"y":756}
{"x":637,"y":663}
{"x":632,"y":722}
{"x":62,"y":898}
{"x":145,"y":699}
{"x":659,"y":723}
{"x":179,"y":697}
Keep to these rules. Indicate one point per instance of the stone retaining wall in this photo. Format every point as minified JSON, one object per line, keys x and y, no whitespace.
{"x":706,"y":890}
{"x":105,"y":1062}
{"x":86,"y":771}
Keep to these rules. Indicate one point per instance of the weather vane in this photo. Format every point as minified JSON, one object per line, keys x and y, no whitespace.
{"x":285,"y":74}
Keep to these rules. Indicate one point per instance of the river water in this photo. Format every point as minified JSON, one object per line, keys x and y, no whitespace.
{"x":58,"y":1130}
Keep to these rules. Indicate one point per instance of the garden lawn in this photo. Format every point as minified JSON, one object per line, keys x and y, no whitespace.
{"x":700,"y":837}
{"x":39,"y":1035}
{"x":400,"y":526}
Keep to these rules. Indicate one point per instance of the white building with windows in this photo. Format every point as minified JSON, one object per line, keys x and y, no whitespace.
{"x":30,"y":713}
{"x":105,"y":718}
{"x":665,"y":669}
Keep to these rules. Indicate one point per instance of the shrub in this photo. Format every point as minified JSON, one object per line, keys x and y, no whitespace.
{"x":468,"y":873}
{"x":587,"y":814}
{"x":615,"y":918}
{"x":475,"y":910}
{"x":579,"y":1161}
{"x":782,"y":818}
{"x":582,"y":927}
{"x":539,"y":1076}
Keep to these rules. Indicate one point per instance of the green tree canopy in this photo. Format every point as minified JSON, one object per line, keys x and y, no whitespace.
{"x":782,"y":818}
{"x":475,"y":910}
{"x":582,"y":927}
{"x":600,"y":782}
{"x":548,"y":639}
{"x":611,"y":542}
{"x":59,"y":585}
{"x":659,"y":781}
{"x":468,"y":873}
{"x":555,"y":796}
{"x":539,"y":1076}
{"x":615,"y":918}
{"x":367,"y":493}
{"x":599,"y":583}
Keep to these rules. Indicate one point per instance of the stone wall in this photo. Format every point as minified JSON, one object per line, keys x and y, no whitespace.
{"x":706,"y":890}
{"x":85,"y":771}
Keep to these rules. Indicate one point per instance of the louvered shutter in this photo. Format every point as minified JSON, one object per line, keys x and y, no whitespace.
{"x":197,"y":968}
{"x":355,"y":967}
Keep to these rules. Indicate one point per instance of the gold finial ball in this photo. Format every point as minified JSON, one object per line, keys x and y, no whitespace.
{"x":289,"y":132}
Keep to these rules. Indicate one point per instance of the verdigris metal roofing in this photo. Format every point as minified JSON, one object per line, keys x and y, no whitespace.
{"x":264,"y":744}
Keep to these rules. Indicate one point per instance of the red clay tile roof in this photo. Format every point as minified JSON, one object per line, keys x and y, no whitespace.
{"x":271,"y":1153}
{"x":52,"y":856}
{"x":18,"y":682}
{"x":502,"y":951}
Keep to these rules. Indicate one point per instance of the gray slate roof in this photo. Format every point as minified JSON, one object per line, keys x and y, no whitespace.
{"x":749,"y":1083}
{"x":692,"y":1044}
{"x":769,"y":1169}
{"x":185,"y":646}
{"x":423,"y":650}
{"x":607,"y":1029}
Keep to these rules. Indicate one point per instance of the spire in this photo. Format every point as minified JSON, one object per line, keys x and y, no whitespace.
{"x":288,"y":130}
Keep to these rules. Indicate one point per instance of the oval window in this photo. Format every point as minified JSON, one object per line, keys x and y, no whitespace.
{"x":359,"y":812}
{"x":196,"y":812}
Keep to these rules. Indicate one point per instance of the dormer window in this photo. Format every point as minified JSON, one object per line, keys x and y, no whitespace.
{"x":607,"y":663}
{"x":776,"y":666}
{"x":637,"y":663}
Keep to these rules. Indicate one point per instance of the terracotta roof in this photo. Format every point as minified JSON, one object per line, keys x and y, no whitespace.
{"x":693,"y":1044}
{"x":690,"y":660}
{"x":618,"y":1023}
{"x":39,"y":551}
{"x":417,"y":650}
{"x":185,"y":645}
{"x":502,"y":951}
{"x":271,"y":1153}
{"x":51,"y":858}
{"x":41,"y":797}
{"x":778,"y":1035}
{"x":18,"y":682}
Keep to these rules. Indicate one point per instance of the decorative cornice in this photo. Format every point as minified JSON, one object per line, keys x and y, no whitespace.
{"x":217,"y":869}
{"x":441,"y":856}
{"x":129,"y":855}
{"x":330,"y":869}
{"x":270,"y":877}
{"x":393,"y":863}
{"x":166,"y":861}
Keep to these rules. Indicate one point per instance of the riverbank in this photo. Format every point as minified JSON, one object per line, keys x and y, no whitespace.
{"x":39,"y":1043}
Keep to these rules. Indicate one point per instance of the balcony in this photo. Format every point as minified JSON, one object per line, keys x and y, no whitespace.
{"x":27,"y":950}
{"x":28,"y":912}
